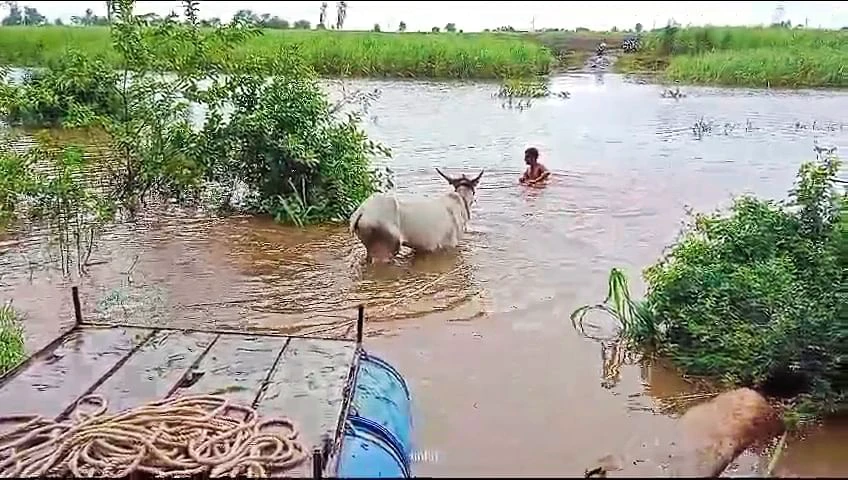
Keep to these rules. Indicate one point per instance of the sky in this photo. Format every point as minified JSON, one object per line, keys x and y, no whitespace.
{"x":475,"y":16}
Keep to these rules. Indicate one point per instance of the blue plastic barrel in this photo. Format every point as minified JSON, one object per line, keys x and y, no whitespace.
{"x":368,"y":451}
{"x":381,"y":395}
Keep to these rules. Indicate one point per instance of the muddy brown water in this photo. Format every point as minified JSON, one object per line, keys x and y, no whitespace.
{"x":502,"y":384}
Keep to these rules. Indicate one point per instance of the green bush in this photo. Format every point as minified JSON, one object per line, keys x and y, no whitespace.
{"x":282,"y":141}
{"x":279,"y":137}
{"x":15,"y":182}
{"x":757,"y":297}
{"x":68,"y":90}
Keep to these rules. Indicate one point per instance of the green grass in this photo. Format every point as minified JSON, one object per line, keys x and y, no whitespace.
{"x":356,"y":54}
{"x":744,"y":56}
{"x":11,"y":338}
{"x":695,"y":40}
{"x":764,"y":67}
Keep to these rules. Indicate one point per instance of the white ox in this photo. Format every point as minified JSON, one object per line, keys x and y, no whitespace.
{"x":384,"y":222}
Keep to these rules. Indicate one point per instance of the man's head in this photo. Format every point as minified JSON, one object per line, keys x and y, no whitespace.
{"x":531,"y":156}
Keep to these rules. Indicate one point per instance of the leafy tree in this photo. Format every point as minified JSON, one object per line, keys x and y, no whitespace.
{"x":15,"y":16}
{"x":302,"y":25}
{"x":32,"y":17}
{"x":451,"y":27}
{"x":639,"y":28}
{"x":277,"y":23}
{"x":247,"y":16}
{"x":402,"y":26}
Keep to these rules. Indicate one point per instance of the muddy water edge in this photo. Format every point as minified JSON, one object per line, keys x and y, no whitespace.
{"x":502,"y":385}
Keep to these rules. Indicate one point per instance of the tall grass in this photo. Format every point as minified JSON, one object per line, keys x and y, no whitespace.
{"x":357,"y":54}
{"x":764,"y":67}
{"x":11,"y":338}
{"x":757,"y":57}
{"x":695,"y":40}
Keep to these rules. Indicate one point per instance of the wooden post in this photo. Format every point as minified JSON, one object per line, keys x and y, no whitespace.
{"x":360,"y":325}
{"x":77,"y":306}
{"x":317,"y":463}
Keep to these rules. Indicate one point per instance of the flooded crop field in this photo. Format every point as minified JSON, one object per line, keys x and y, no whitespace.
{"x":501,"y":383}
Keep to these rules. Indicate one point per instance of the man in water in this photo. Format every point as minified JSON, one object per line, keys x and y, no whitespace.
{"x":536,"y":172}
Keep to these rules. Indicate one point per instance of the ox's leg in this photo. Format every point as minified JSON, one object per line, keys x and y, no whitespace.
{"x":382,"y":247}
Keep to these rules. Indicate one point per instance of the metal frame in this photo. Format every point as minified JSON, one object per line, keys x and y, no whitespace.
{"x":323,"y":456}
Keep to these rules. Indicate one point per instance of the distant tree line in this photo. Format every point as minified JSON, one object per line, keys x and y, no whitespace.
{"x":31,"y":16}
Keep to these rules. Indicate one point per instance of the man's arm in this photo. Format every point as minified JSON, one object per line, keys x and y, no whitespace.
{"x":524,"y":176}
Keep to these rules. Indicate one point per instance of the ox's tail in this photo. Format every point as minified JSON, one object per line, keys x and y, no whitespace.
{"x":354,"y":219}
{"x":376,"y":224}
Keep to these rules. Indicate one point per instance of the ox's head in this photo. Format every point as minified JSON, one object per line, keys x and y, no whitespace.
{"x":464,"y":186}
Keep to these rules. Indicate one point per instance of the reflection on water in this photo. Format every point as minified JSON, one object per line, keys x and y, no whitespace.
{"x":495,"y":311}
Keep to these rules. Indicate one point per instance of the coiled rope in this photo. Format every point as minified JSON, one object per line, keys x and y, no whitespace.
{"x":179,"y":437}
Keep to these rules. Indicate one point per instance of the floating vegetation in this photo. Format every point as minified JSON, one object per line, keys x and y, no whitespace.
{"x":823,"y":152}
{"x":518,"y":93}
{"x":635,"y":319}
{"x":701,"y":128}
{"x":521,"y":88}
{"x":675,"y":94}
{"x":816,"y":126}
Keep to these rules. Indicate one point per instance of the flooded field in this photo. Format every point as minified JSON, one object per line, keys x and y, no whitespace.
{"x":502,"y":384}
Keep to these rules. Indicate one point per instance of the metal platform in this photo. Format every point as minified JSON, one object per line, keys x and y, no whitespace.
{"x":309,"y":380}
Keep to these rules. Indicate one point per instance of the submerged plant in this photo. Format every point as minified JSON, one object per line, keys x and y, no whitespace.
{"x":522,"y":88}
{"x":74,"y":211}
{"x":636,"y":321}
{"x":11,"y":338}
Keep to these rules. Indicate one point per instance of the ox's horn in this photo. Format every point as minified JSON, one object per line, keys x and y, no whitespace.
{"x":477,"y":179}
{"x":450,"y":180}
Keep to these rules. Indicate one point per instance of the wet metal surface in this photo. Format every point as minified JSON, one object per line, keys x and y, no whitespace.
{"x":309,"y":385}
{"x":151,"y":372}
{"x":235,"y":367}
{"x":55,"y":380}
{"x":487,"y":324}
{"x":307,"y":376}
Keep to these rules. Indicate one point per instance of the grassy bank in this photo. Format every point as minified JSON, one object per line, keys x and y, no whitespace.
{"x":330,"y":53}
{"x":743,"y":56}
{"x":11,"y":338}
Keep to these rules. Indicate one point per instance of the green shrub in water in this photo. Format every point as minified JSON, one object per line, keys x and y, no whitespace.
{"x":277,"y":136}
{"x":756,"y":297}
{"x":283,"y":141}
{"x":69,"y":89}
{"x":11,"y":338}
{"x":15,"y":181}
